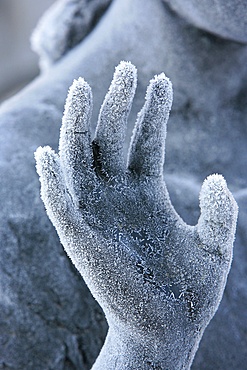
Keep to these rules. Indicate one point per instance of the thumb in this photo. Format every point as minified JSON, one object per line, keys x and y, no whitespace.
{"x":217,"y":223}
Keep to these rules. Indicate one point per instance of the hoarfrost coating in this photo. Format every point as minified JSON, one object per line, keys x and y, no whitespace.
{"x":158,"y":280}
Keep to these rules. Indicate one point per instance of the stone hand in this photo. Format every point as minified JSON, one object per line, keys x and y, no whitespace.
{"x":158,"y":280}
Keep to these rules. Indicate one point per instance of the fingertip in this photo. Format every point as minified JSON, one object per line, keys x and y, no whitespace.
{"x":42,"y":151}
{"x":79,"y":99}
{"x":219,"y":210}
{"x":79,"y":85}
{"x":160,"y":88}
{"x":216,"y":201}
{"x":125,"y":76}
{"x":125,"y":68}
{"x":44,"y":157}
{"x":52,"y":191}
{"x":38,"y":153}
{"x":213,"y":191}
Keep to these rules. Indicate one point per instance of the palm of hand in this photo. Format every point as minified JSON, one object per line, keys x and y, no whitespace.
{"x":144,"y":265}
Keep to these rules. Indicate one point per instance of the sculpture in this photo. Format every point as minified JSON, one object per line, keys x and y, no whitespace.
{"x":158,"y":280}
{"x":43,"y":298}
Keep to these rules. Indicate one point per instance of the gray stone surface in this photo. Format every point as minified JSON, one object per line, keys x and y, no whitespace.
{"x":226,"y":18}
{"x":18,"y":63}
{"x":48,"y":319}
{"x":63,"y":26}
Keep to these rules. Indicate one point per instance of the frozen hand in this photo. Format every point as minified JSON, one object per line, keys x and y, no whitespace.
{"x":158,"y":280}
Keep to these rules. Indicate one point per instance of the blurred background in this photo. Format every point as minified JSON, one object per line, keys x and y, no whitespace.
{"x":18,"y":63}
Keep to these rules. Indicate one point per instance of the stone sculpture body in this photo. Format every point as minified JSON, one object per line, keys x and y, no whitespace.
{"x":43,"y":299}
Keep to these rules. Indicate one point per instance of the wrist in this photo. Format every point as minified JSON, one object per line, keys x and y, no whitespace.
{"x":124,"y":349}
